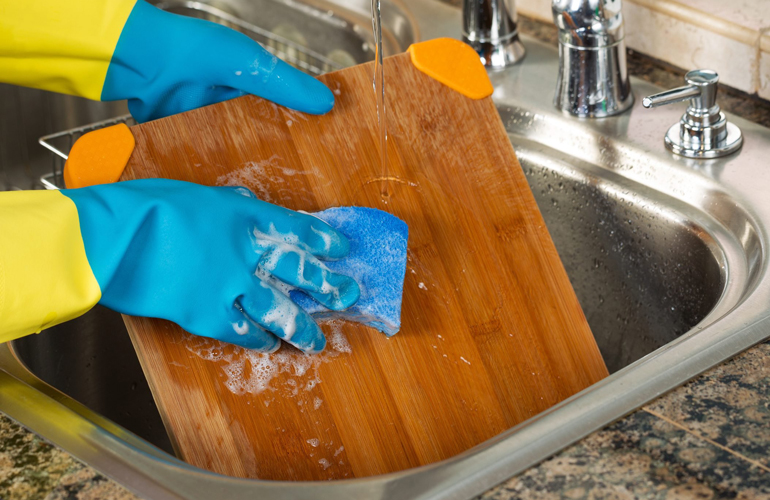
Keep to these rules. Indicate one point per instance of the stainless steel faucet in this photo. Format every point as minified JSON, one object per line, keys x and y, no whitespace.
{"x":593,"y":79}
{"x":703,"y":131}
{"x":489,"y":26}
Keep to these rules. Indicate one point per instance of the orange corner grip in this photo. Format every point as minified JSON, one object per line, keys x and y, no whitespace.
{"x":99,"y":157}
{"x":453,"y":63}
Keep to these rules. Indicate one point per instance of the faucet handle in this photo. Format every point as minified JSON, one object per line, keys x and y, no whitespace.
{"x":701,"y":88}
{"x":703,"y":131}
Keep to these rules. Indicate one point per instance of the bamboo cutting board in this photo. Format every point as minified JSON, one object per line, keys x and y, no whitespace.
{"x":492,"y":332}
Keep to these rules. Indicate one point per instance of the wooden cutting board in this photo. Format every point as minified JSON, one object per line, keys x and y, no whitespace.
{"x":492,"y":332}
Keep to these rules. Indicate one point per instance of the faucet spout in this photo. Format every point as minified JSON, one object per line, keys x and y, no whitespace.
{"x":593,"y":78}
{"x":489,"y":26}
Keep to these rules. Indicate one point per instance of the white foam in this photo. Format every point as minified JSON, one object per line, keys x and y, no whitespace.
{"x":253,"y":175}
{"x":339,"y":450}
{"x":251,"y":372}
{"x":241,"y":327}
{"x":324,"y":463}
{"x":279,"y":285}
{"x":337,"y":339}
{"x":282,"y":315}
{"x":422,"y":286}
{"x":312,"y":383}
{"x":255,"y":68}
{"x":326,"y":237}
{"x":313,"y":442}
{"x":275,"y":246}
{"x":268,"y":178}
{"x":317,"y":403}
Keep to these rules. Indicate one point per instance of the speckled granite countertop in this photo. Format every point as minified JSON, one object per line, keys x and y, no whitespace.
{"x":32,"y":468}
{"x":705,"y":440}
{"x":708,"y":439}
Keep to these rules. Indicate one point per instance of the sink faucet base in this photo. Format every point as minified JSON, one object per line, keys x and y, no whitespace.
{"x":489,"y":26}
{"x":499,"y":55}
{"x":593,"y":81}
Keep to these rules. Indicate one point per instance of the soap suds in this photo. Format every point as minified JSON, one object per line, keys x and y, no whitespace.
{"x":241,"y":327}
{"x":275,"y":247}
{"x":337,"y":340}
{"x":282,"y":316}
{"x":324,"y":463}
{"x":270,"y":179}
{"x":325,"y":236}
{"x":265,"y":72}
{"x":251,"y":372}
{"x":313,"y":442}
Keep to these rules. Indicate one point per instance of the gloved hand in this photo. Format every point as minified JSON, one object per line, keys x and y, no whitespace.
{"x":166,"y":63}
{"x":127,"y":49}
{"x":188,"y":253}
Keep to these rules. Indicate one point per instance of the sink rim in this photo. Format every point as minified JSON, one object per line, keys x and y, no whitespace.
{"x":150,"y":472}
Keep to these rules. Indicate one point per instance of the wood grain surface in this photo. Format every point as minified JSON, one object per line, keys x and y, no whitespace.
{"x":492,"y":332}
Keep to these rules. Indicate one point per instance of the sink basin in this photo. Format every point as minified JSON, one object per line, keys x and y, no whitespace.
{"x":667,"y":257}
{"x":644,"y":271}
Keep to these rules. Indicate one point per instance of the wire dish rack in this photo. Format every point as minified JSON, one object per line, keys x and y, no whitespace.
{"x":299,"y":56}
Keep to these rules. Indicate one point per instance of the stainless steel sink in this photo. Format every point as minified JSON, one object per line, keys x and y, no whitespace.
{"x":667,"y":256}
{"x":644,"y":270}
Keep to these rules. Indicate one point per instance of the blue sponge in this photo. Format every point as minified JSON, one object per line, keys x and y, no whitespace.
{"x":377,"y":261}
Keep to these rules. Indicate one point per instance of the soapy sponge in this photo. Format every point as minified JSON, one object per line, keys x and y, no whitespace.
{"x":377,"y":261}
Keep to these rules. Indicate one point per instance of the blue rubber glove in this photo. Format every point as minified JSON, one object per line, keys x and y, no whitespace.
{"x":202,"y":257}
{"x":166,"y":64}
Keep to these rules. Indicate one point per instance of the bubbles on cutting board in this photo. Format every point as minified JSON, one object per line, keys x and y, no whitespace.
{"x":271,"y":180}
{"x":287,"y":372}
{"x":336,"y":338}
